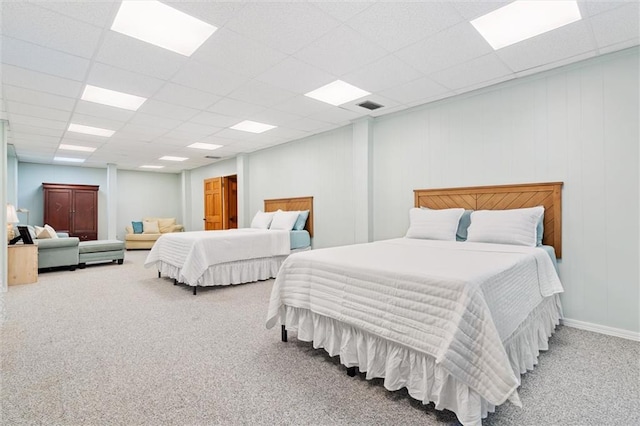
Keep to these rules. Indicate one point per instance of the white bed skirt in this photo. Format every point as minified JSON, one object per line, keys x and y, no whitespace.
{"x":425,"y":380}
{"x":230,"y":273}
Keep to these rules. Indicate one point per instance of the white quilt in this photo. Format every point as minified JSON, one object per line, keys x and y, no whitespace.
{"x":453,"y":301}
{"x":194,"y":252}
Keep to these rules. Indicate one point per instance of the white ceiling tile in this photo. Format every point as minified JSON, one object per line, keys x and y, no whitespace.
{"x":34,"y":97}
{"x":335,"y":115}
{"x":120,"y":80}
{"x":103,"y":111}
{"x":210,"y":79}
{"x":619,"y":46}
{"x":96,"y":12}
{"x":34,"y":24}
{"x":557,"y":64}
{"x":17,"y":128}
{"x":472,"y":9}
{"x":547,"y":48}
{"x":286,"y":27}
{"x":214,"y":119}
{"x":257,"y":92}
{"x":37,"y":111}
{"x":274,"y":117}
{"x":37,"y":122}
{"x":375,"y":98}
{"x":42,"y":59}
{"x":340,"y":51}
{"x":239,"y":135}
{"x":169,"y":110}
{"x":28,"y":138}
{"x":141,"y":133}
{"x":306,"y":124}
{"x":342,"y":11}
{"x":238,"y":54}
{"x":185,"y":96}
{"x":594,"y":7}
{"x":421,"y":88}
{"x":484,"y":69}
{"x":235,"y":108}
{"x":450,"y":47}
{"x":196,"y":129}
{"x":40,"y":82}
{"x":617,"y":25}
{"x":382,"y":74}
{"x":394,"y":25}
{"x":142,"y":119}
{"x":100,"y":122}
{"x":302,"y":105}
{"x":187,"y":137}
{"x":286,"y":133}
{"x":128,"y":53}
{"x":214,"y":13}
{"x":296,"y":76}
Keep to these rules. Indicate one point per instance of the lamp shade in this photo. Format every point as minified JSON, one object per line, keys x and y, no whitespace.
{"x":12,"y":215}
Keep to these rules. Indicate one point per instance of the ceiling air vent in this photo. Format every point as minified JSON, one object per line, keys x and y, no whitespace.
{"x":370,"y":105}
{"x":212,"y":157}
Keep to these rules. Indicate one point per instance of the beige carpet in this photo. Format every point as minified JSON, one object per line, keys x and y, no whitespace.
{"x":113,"y":344}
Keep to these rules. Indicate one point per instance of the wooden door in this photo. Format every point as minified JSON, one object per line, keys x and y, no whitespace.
{"x":58,"y":209}
{"x":84,"y":215}
{"x":213,"y":201}
{"x":231,"y":202}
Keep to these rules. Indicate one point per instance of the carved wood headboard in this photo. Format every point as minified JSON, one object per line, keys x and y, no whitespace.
{"x":289,"y":204}
{"x":503,"y":197}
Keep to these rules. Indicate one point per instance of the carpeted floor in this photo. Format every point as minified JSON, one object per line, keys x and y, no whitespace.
{"x":116,"y":345}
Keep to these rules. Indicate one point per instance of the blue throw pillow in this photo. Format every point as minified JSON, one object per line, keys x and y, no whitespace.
{"x":137,"y":227}
{"x":301,"y":221}
{"x":540,"y":230}
{"x":463,"y":225}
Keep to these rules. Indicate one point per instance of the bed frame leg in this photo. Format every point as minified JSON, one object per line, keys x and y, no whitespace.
{"x":175,"y":281}
{"x":284,"y":333}
{"x":351,"y":371}
{"x":195,"y":289}
{"x":159,"y":274}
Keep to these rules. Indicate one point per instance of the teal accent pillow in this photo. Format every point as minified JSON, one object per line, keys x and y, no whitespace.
{"x":301,"y":221}
{"x":463,"y":225}
{"x":137,"y":227}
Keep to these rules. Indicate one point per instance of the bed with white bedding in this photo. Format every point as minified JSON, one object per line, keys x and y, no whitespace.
{"x":233,"y":256}
{"x":456,"y":323}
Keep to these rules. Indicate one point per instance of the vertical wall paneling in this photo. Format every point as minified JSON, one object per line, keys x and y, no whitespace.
{"x":242,"y":172}
{"x":185,"y":199}
{"x":576,"y":124}
{"x":112,"y":201}
{"x":362,"y":180}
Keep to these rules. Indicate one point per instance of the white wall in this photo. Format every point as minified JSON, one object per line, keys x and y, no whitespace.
{"x":578,"y":125}
{"x":318,"y":166}
{"x":146,"y":194}
{"x":197,"y":176}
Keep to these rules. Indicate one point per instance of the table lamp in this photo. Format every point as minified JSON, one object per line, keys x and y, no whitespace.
{"x":12,"y":217}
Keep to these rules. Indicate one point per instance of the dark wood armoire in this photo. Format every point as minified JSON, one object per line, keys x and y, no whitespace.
{"x":72,"y":209}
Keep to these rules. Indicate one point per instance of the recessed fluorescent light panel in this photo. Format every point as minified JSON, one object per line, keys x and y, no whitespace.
{"x":112,"y":98}
{"x":524,"y":19}
{"x":88,"y":130}
{"x":252,"y":126}
{"x":162,"y":26}
{"x":151,"y":167}
{"x":170,"y":158}
{"x":337,"y":93}
{"x":76,"y":148}
{"x":69,"y":160}
{"x":200,"y":145}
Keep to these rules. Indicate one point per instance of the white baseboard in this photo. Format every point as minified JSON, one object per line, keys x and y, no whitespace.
{"x":602,"y":329}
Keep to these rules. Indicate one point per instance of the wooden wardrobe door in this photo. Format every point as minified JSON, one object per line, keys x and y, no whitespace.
{"x":58,"y":209}
{"x":85,"y":217}
{"x":72,"y":208}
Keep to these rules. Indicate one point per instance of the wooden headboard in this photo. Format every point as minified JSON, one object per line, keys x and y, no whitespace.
{"x":503,"y":197}
{"x":289,"y":204}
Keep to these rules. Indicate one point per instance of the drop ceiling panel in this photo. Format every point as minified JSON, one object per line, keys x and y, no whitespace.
{"x":595,"y":7}
{"x":37,"y":111}
{"x":296,"y":76}
{"x":37,"y":122}
{"x":169,"y":110}
{"x":394,"y":25}
{"x":340,"y":51}
{"x":210,"y":79}
{"x":128,"y":53}
{"x":342,"y":11}
{"x":617,"y":25}
{"x":17,"y":129}
{"x":42,"y":59}
{"x":473,"y":9}
{"x":384,"y":73}
{"x":274,"y":117}
{"x":336,"y":116}
{"x":34,"y":97}
{"x":260,"y":93}
{"x":286,"y":27}
{"x":302,"y":105}
{"x":142,"y":119}
{"x":26,"y":21}
{"x":99,"y":13}
{"x":40,"y":82}
{"x":185,"y":96}
{"x":236,"y":108}
{"x":484,"y":69}
{"x":421,"y":88}
{"x":103,"y":111}
{"x":198,"y":130}
{"x":101,"y":122}
{"x":214,"y":119}
{"x":120,"y":80}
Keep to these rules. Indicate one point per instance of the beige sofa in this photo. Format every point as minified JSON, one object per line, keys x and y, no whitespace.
{"x":147,"y":239}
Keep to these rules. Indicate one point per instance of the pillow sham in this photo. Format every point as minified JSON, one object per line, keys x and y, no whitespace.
{"x":434,"y":224}
{"x":150,"y":227}
{"x":516,"y":226}
{"x":42,"y":232}
{"x":303,"y":215}
{"x":137,"y":227}
{"x":284,"y":220}
{"x":262,"y":220}
{"x":52,"y":232}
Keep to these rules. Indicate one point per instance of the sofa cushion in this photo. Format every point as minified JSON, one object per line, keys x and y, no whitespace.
{"x":51,"y":243}
{"x":150,"y":227}
{"x":142,"y":237}
{"x":42,"y":232}
{"x":52,"y":231}
{"x":137,"y":227}
{"x":97,"y":246}
{"x":166,"y":224}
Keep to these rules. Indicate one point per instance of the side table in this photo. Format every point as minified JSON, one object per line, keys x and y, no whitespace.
{"x":22,"y":264}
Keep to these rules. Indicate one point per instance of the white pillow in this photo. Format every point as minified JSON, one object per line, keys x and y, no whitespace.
{"x":42,"y":232}
{"x":262,"y":220}
{"x":434,"y":224}
{"x":284,"y":220}
{"x":52,"y":232}
{"x":150,"y":227}
{"x":517,"y":226}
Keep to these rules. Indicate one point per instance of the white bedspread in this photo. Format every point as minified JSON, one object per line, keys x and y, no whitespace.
{"x":194,"y":252}
{"x":454,"y":301}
